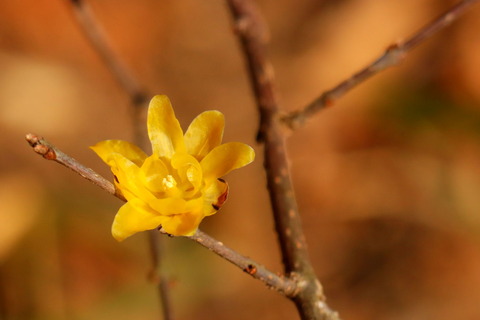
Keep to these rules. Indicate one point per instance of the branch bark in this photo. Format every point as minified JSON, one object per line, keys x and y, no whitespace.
{"x":101,"y":43}
{"x":280,"y":284}
{"x":391,"y":57}
{"x":251,"y":31}
{"x":139,"y":99}
{"x":283,"y":285}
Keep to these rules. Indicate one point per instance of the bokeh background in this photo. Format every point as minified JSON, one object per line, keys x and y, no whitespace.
{"x":387,"y":180}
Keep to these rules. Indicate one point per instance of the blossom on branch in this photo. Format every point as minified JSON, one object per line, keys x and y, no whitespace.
{"x":180,"y":183}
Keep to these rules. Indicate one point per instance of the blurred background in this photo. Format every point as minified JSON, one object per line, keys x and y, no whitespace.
{"x":387,"y":180}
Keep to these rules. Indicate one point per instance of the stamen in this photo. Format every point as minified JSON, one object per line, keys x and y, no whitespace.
{"x":169,"y":182}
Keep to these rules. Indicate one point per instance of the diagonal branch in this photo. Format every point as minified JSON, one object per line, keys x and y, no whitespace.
{"x":251,"y":31}
{"x":50,"y":152}
{"x":283,"y":285}
{"x":100,"y":42}
{"x":391,"y":57}
{"x":139,"y":98}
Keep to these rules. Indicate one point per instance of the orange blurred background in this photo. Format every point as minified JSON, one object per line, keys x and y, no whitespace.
{"x":388,"y":181}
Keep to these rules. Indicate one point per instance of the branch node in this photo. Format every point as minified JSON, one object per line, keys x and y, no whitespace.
{"x":393,"y":55}
{"x":39,"y":147}
{"x":139,"y":99}
{"x":251,"y":269}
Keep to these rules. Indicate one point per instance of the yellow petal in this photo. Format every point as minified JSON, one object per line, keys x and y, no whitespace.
{"x":215,"y":196}
{"x":128,"y":178}
{"x":134,"y":216}
{"x":105,"y":149}
{"x":184,"y":224}
{"x":189,"y":171}
{"x":164,"y":129}
{"x":204,"y":133}
{"x":225,"y":158}
{"x":153,"y":172}
{"x":168,"y":206}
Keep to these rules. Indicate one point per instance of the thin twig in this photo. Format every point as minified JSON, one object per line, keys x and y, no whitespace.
{"x":138,"y":97}
{"x":50,"y":152}
{"x":100,"y":42}
{"x":157,"y":274}
{"x":98,"y":39}
{"x":391,"y":57}
{"x":256,"y":270}
{"x":251,"y":31}
{"x":281,"y":284}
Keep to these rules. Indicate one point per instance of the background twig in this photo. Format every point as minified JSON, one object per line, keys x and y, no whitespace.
{"x":251,"y":31}
{"x":157,"y":274}
{"x":139,"y":99}
{"x":391,"y":57}
{"x":256,"y":270}
{"x":100,"y":42}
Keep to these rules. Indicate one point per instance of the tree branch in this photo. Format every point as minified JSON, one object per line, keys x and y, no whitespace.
{"x":282,"y":285}
{"x":100,"y":42}
{"x":139,"y":99}
{"x":50,"y":152}
{"x":285,"y":286}
{"x":391,"y":57}
{"x":251,"y":31}
{"x":157,"y":274}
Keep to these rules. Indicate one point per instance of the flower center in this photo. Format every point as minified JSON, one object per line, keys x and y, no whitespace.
{"x":169,"y":182}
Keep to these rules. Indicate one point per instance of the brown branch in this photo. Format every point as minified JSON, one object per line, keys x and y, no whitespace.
{"x":139,"y":98}
{"x":50,"y":152}
{"x":391,"y":57}
{"x":157,"y":274}
{"x":251,"y":31}
{"x":281,"y":284}
{"x":98,"y":39}
{"x":100,"y":42}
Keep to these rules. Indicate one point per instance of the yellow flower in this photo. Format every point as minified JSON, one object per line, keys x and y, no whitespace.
{"x":179,"y":184}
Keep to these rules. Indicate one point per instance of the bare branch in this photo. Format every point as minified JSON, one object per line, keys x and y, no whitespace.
{"x":256,"y":270}
{"x":281,"y":284}
{"x":139,"y":99}
{"x":50,"y":152}
{"x":391,"y":57}
{"x":100,"y":42}
{"x":157,"y":274}
{"x":251,"y":31}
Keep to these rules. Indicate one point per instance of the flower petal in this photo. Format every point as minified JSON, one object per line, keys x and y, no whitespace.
{"x":164,"y":129}
{"x":134,"y":216}
{"x":153,"y":172}
{"x":127,"y":178}
{"x":189,"y":171}
{"x":184,"y":224}
{"x":168,"y":206}
{"x":215,"y":196}
{"x":105,"y":149}
{"x":204,"y":133}
{"x":225,"y":158}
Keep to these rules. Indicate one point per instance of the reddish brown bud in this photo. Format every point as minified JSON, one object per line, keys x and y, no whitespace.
{"x":251,"y":269}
